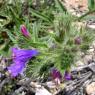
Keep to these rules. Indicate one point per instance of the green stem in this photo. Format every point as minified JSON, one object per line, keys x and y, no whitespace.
{"x":88,"y":13}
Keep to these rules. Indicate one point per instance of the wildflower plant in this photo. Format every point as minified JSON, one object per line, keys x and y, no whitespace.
{"x":58,"y":40}
{"x":63,"y":42}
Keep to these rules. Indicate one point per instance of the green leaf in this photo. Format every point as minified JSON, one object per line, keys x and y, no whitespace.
{"x":60,"y":6}
{"x":40,"y":15}
{"x":91,"y":4}
{"x":35,"y":32}
{"x":12,"y":37}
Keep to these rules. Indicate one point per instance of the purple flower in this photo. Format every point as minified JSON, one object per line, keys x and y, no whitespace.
{"x":24,"y":31}
{"x":20,"y":58}
{"x":55,"y":74}
{"x":67,"y":75}
{"x":23,"y":55}
{"x":78,"y":40}
{"x":16,"y":69}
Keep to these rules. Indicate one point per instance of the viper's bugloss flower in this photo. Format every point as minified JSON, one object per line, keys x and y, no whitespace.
{"x":78,"y":40}
{"x":24,"y":31}
{"x":55,"y":74}
{"x":23,"y":55}
{"x":20,"y":58}
{"x":67,"y":75}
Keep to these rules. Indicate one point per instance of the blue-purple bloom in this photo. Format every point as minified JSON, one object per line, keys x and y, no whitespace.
{"x":55,"y":73}
{"x":67,"y":75}
{"x":24,"y":31}
{"x":20,"y":58}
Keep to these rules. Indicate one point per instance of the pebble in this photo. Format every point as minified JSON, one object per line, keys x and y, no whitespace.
{"x":87,"y":59}
{"x":91,"y":26}
{"x":42,"y":91}
{"x":91,"y":51}
{"x":90,"y":89}
{"x":79,"y":63}
{"x":51,"y":84}
{"x":92,"y":67}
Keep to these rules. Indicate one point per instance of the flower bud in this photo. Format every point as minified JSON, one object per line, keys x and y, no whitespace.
{"x":24,"y":31}
{"x":55,"y":73}
{"x":78,"y":40}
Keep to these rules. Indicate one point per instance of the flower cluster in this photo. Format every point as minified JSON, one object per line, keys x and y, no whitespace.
{"x":20,"y":58}
{"x":57,"y":75}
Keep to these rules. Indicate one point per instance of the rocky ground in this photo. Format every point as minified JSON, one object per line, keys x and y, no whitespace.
{"x":76,"y":7}
{"x":83,"y":73}
{"x":82,"y":82}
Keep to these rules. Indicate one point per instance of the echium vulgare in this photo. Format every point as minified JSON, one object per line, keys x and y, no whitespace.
{"x":24,"y":31}
{"x":20,"y":59}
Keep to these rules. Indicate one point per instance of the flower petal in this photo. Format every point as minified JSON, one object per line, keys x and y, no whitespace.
{"x":16,"y":69}
{"x":55,"y":73}
{"x":67,"y":76}
{"x":23,"y":54}
{"x":20,"y":58}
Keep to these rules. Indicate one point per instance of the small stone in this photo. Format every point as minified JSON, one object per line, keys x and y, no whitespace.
{"x":87,"y":59}
{"x":92,"y":67}
{"x":42,"y":91}
{"x":91,"y":51}
{"x":35,"y":85}
{"x":91,"y":26}
{"x":79,"y":63}
{"x":90,"y":89}
{"x":51,"y":84}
